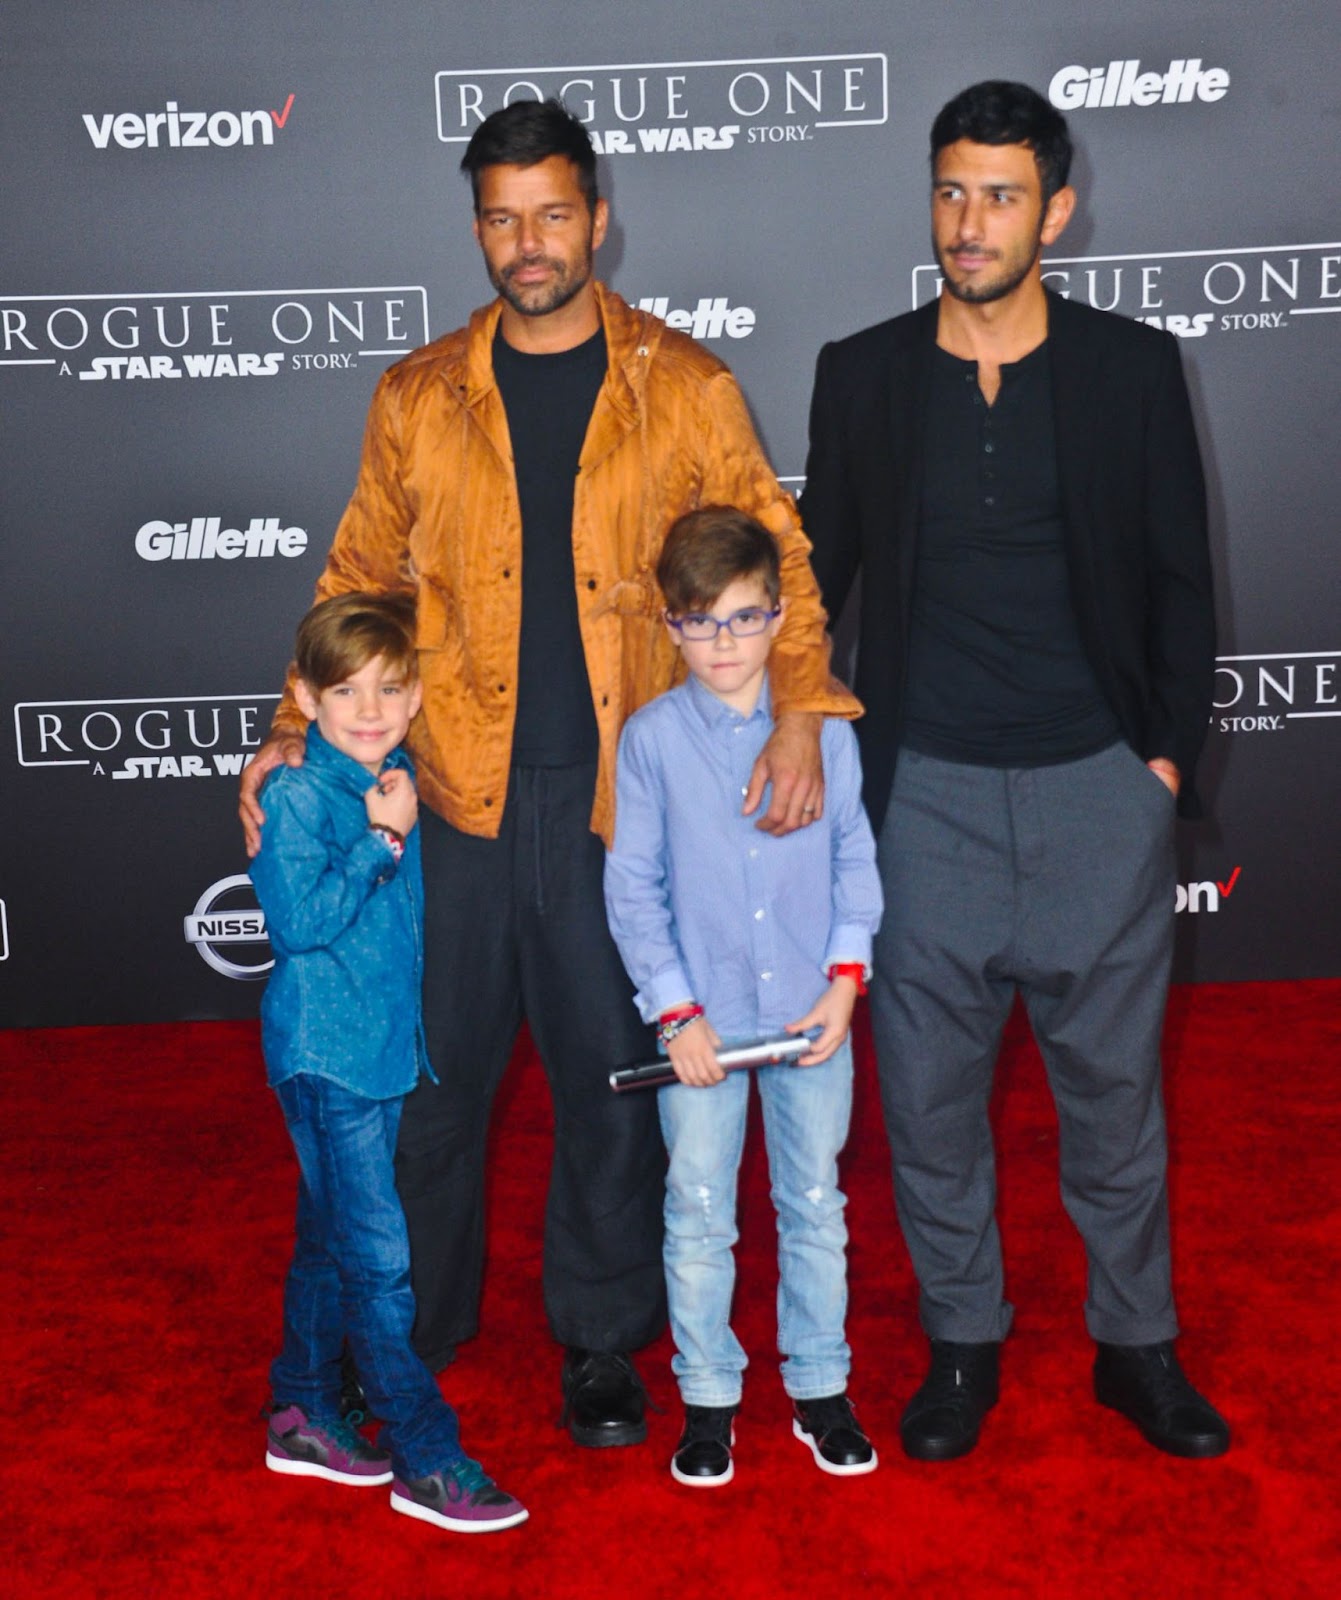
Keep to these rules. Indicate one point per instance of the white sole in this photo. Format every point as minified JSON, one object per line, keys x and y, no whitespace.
{"x":834,"y":1471}
{"x":289,"y":1468}
{"x":701,"y":1482}
{"x":412,"y":1508}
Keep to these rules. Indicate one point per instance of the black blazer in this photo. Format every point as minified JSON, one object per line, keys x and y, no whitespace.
{"x":1133,"y":503}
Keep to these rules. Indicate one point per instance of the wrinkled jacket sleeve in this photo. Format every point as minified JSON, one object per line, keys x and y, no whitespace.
{"x":637,"y":892}
{"x":1180,"y":630}
{"x":370,"y":550}
{"x":311,"y":890}
{"x":738,"y":474}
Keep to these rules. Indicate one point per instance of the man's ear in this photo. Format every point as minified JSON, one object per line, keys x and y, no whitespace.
{"x":306,"y":697}
{"x":1057,"y":215}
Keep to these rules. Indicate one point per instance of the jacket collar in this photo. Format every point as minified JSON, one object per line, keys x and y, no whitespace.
{"x":342,"y":769}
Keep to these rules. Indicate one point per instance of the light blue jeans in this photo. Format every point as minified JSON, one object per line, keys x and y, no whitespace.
{"x":806,"y":1115}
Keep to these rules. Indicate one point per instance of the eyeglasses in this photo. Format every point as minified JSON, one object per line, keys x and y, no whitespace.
{"x":699,"y":627}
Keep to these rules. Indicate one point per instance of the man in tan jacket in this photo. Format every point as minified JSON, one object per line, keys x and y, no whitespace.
{"x":518,"y":477}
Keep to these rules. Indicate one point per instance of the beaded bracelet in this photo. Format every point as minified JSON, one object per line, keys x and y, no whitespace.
{"x":673,"y":1023}
{"x":391,"y":837}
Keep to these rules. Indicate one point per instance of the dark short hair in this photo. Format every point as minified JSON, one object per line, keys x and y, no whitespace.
{"x":709,"y":549}
{"x":340,"y":636}
{"x":526,"y":133}
{"x":997,"y":112}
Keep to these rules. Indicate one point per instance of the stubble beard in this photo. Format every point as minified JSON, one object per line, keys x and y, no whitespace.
{"x":567,"y":282}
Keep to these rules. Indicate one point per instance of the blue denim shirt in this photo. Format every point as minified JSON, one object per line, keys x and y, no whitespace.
{"x":704,"y":906}
{"x":346,"y":925}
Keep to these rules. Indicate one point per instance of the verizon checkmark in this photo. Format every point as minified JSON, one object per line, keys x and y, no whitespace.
{"x":279,"y":118}
{"x":1227,"y":889}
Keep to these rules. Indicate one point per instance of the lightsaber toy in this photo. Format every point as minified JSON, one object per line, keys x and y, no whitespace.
{"x":732,"y":1058}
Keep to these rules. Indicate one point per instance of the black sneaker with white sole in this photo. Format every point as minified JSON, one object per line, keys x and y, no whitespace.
{"x":702,"y":1458}
{"x":830,"y":1427}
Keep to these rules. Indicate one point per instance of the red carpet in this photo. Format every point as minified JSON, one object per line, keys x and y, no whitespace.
{"x":147,"y":1190}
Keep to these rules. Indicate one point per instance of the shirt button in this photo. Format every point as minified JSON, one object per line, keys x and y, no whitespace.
{"x":744,"y":788}
{"x":753,"y":854}
{"x":989,"y":500}
{"x":759,"y":915}
{"x":765,"y":976}
{"x":989,"y":447}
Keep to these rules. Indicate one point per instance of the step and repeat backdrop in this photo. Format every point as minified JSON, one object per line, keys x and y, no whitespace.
{"x":224,"y":220}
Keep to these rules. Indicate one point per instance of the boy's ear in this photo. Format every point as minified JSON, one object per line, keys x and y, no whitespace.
{"x":675,"y":637}
{"x":306,"y":697}
{"x":782,"y":612}
{"x":416,"y":697}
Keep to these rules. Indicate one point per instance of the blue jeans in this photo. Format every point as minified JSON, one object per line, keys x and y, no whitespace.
{"x":806,"y":1115}
{"x":350,"y":1276}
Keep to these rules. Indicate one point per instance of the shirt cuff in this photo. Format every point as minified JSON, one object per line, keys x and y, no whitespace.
{"x":667,"y":988}
{"x":849,"y":943}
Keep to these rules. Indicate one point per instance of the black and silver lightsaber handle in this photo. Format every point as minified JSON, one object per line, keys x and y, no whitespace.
{"x":732,"y":1058}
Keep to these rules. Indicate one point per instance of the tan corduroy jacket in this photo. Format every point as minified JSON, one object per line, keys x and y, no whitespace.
{"x":435,"y":511}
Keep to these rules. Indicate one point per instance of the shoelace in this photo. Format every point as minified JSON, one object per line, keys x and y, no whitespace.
{"x":710,"y":1423}
{"x":945,"y":1384}
{"x":341,"y":1430}
{"x":824,"y":1418}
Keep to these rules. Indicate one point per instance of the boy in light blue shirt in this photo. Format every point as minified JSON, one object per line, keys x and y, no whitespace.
{"x":339,"y":880}
{"x":730,"y":934}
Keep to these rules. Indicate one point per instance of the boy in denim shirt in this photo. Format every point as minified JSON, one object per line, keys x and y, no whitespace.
{"x":731,"y":933}
{"x":338,"y":878}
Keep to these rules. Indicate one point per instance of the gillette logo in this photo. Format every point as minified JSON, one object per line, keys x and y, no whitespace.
{"x":1122,"y":83}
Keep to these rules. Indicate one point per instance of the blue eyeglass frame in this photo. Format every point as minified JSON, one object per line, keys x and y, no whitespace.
{"x":725,"y":622}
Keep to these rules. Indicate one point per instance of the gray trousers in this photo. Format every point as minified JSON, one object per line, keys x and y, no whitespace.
{"x":1057,"y":883}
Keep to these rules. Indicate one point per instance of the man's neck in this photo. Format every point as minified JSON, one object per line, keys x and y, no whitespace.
{"x":994,"y":332}
{"x":556,"y":331}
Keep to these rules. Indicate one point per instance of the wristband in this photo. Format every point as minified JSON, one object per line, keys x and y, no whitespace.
{"x":391,"y":837}
{"x":673,"y":1023}
{"x":849,"y":969}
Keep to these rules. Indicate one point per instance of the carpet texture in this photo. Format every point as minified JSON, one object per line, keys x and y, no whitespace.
{"x":146,"y":1191}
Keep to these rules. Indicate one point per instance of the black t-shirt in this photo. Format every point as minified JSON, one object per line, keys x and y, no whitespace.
{"x":996,"y":674}
{"x":549,"y":400}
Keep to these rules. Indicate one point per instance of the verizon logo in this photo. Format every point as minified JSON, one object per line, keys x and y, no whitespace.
{"x":172,"y":129}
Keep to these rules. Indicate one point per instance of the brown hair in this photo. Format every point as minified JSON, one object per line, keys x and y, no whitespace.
{"x":340,"y":636}
{"x":708,"y":549}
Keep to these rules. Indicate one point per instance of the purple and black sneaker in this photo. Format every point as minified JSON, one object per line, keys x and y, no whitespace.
{"x":322,"y":1447}
{"x":461,"y":1497}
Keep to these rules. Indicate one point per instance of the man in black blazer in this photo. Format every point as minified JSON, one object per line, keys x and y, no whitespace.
{"x":1017,"y":479}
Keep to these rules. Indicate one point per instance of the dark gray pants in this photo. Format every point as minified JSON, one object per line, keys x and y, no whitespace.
{"x":515,"y":927}
{"x":1057,"y":883}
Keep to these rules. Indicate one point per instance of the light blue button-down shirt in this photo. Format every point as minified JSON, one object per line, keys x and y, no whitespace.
{"x":704,"y":906}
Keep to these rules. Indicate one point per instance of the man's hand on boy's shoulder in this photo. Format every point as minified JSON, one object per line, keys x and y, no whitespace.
{"x":833,"y":1013}
{"x":281,"y":749}
{"x":791,"y":762}
{"x":693,"y":1054}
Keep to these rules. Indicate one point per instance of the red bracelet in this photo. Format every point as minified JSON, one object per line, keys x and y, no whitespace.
{"x":849,"y":969}
{"x":672,"y":1024}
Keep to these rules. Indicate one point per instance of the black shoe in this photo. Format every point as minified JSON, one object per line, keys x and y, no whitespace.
{"x":1145,"y":1383}
{"x":944,"y":1417}
{"x":834,"y":1435}
{"x":604,"y":1402}
{"x":702,"y":1458}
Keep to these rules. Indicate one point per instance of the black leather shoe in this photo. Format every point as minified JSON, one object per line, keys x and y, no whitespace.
{"x":1147,"y":1386}
{"x":944,"y":1417}
{"x":604,"y":1402}
{"x":702,"y":1458}
{"x":834,"y":1435}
